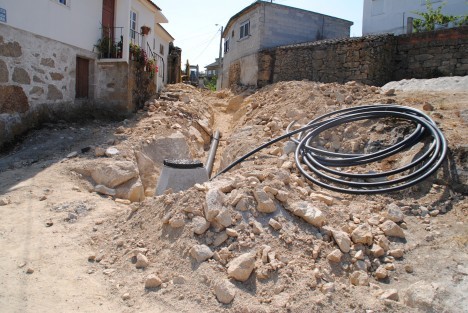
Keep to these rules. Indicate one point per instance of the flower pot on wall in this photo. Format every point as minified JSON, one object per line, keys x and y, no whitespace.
{"x":145,"y":30}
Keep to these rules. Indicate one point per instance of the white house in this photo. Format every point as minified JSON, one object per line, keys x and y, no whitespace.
{"x":82,"y":23}
{"x":62,"y":59}
{"x":391,"y":16}
{"x":263,"y":25}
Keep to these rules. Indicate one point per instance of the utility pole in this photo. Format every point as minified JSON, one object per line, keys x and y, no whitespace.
{"x":219,"y":82}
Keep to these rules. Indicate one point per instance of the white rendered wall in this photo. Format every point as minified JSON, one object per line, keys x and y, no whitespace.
{"x":393,"y":16}
{"x":77,"y":24}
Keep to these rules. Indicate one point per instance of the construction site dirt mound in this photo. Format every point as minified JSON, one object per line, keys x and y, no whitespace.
{"x":258,"y":238}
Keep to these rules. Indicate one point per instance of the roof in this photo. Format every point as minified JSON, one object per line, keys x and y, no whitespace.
{"x":165,"y":31}
{"x":214,"y":64}
{"x":154,"y":5}
{"x":256,"y":4}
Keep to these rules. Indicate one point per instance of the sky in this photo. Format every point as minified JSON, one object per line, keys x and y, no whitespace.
{"x":196,"y":24}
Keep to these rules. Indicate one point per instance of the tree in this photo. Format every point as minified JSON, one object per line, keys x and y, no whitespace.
{"x":435,"y":16}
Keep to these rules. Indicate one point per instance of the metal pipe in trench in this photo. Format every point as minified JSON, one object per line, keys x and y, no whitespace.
{"x":212,"y":153}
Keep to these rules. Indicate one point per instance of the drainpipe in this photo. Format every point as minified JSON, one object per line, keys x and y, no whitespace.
{"x":212,"y":153}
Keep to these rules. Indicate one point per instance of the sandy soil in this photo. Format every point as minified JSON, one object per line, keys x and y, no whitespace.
{"x":69,"y":249}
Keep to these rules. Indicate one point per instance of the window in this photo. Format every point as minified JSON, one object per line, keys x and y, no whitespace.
{"x":161,"y":49}
{"x":377,"y":7}
{"x":133,"y":24}
{"x":226,"y":45}
{"x":245,"y":29}
{"x":63,"y":2}
{"x":3,"y":16}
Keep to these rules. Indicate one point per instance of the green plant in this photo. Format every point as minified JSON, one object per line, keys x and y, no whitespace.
{"x":211,"y":85}
{"x":106,"y":47}
{"x":151,"y":67}
{"x":434,"y":17}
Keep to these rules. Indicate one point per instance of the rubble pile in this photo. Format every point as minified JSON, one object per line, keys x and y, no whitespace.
{"x":261,"y":238}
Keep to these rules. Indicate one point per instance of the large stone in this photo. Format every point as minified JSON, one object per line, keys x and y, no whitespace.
{"x":141,"y":261}
{"x":359,"y":278}
{"x":172,"y":147}
{"x":241,"y":267}
{"x":10,"y":49}
{"x":390,"y":294}
{"x":335,"y":256}
{"x":148,"y":172}
{"x":264,"y":203}
{"x":420,"y":295}
{"x":394,"y":213}
{"x":20,"y":76}
{"x":13,"y":100}
{"x":53,"y":93}
{"x":225,"y":291}
{"x":56,"y":76}
{"x":200,"y":225}
{"x":392,"y":229}
{"x":36,"y":91}
{"x":104,"y":190}
{"x":48,"y":62}
{"x":342,"y":240}
{"x":214,"y":201}
{"x":363,"y":234}
{"x":309,"y":213}
{"x":112,"y":173}
{"x":201,"y":252}
{"x":4,"y":74}
{"x":132,"y":190}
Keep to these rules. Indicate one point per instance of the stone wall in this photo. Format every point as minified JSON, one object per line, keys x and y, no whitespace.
{"x":432,"y":54}
{"x":373,"y":60}
{"x":37,"y":81}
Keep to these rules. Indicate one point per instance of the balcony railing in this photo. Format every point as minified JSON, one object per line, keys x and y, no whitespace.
{"x":158,"y":59}
{"x":111,"y":43}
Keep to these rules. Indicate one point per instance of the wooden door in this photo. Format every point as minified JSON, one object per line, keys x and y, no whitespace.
{"x":108,"y":10}
{"x":82,"y":78}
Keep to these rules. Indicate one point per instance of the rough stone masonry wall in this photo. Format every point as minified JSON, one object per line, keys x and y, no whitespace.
{"x":432,"y":54}
{"x":373,"y":60}
{"x":37,"y":81}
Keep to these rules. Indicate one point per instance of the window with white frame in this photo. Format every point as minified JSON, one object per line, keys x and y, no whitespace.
{"x":226,"y":45}
{"x":133,"y":24}
{"x":378,"y":7}
{"x":245,"y":29}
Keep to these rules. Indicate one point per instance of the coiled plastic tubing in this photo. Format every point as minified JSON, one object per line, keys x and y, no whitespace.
{"x":333,"y":170}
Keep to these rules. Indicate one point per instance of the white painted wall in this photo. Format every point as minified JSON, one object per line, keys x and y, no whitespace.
{"x":77,"y":24}
{"x":390,"y":16}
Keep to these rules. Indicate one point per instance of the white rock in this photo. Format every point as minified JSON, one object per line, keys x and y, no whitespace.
{"x":391,"y":294}
{"x":126,"y":296}
{"x":363,"y":234}
{"x":73,"y":154}
{"x":420,"y":295}
{"x":282,"y":196}
{"x":201,"y":252}
{"x":289,"y":147}
{"x":377,"y":251}
{"x":328,"y":200}
{"x":112,"y":151}
{"x":200,"y":225}
{"x":225,"y":291}
{"x":359,"y":278}
{"x":214,"y":201}
{"x":142,"y":261}
{"x":264,"y":203}
{"x":384,"y":243}
{"x":391,"y":229}
{"x":99,"y":151}
{"x":177,"y":221}
{"x":220,"y":239}
{"x":132,"y":190}
{"x":152,"y":281}
{"x":309,"y":213}
{"x":394,"y":213}
{"x":257,"y":227}
{"x":232,"y":232}
{"x":104,"y":190}
{"x":241,"y":267}
{"x":342,"y":240}
{"x":335,"y":256}
{"x":224,"y":218}
{"x":110,"y":173}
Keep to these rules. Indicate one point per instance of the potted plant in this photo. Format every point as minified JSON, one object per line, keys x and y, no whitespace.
{"x":145,"y":30}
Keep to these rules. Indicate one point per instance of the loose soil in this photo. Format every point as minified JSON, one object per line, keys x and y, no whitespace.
{"x":70,"y":249}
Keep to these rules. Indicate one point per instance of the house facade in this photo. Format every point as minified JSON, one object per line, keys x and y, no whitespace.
{"x":61,"y":57}
{"x":264,"y":25}
{"x":392,"y":16}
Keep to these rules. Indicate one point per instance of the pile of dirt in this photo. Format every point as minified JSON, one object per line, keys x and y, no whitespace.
{"x":261,"y":238}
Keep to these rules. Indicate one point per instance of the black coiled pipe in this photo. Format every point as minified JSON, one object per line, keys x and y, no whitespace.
{"x":319,"y":166}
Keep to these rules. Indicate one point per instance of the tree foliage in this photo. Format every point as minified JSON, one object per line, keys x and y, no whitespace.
{"x":433,"y":17}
